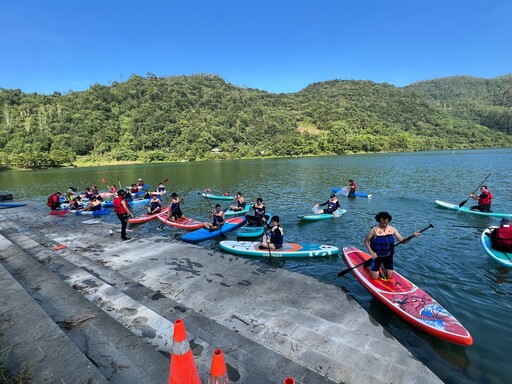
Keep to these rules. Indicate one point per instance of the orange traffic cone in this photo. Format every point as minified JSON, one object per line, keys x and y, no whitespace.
{"x":218,"y":372}
{"x":183,"y":367}
{"x":289,"y":380}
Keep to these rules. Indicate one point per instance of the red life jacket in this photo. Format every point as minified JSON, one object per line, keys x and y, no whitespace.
{"x":501,"y":238}
{"x":52,"y":199}
{"x":118,"y":207}
{"x":487,"y":199}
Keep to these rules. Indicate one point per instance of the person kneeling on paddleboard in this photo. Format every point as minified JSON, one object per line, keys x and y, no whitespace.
{"x":352,"y":186}
{"x":276,"y":238}
{"x":484,"y":200}
{"x":155,"y":205}
{"x":218,"y":219}
{"x":54,"y":201}
{"x":332,"y":205}
{"x":501,"y":237}
{"x":380,"y":242}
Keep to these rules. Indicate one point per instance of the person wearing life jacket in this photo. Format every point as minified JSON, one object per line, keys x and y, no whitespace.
{"x":174,"y":207}
{"x":134,"y":188}
{"x":76,"y":204}
{"x":94,"y":189}
{"x":240,"y":203}
{"x":155,"y":205}
{"x":332,"y":205}
{"x":140,"y":183}
{"x":484,"y":200}
{"x":113,"y":189}
{"x":161,"y":188}
{"x":380,"y":242}
{"x":54,"y":201}
{"x":501,"y":237}
{"x":276,"y":238}
{"x":122,"y":211}
{"x":218,"y":219}
{"x":352,"y":186}
{"x":259,"y":217}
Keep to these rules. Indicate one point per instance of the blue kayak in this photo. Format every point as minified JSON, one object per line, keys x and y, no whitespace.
{"x":323,"y":216}
{"x":11,"y":205}
{"x":205,"y":234}
{"x":344,"y":191}
{"x":110,"y":204}
{"x":102,"y":211}
{"x":253,"y":229}
{"x":246,"y":248}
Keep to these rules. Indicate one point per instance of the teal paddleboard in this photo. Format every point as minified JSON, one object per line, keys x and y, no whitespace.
{"x":455,"y":207}
{"x":323,"y":216}
{"x":503,"y":258}
{"x":218,"y":197}
{"x":247,"y":248}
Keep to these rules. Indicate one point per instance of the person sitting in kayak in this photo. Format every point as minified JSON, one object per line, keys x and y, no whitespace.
{"x":174,"y":207}
{"x":484,"y":200}
{"x":332,"y":205}
{"x":501,"y":237}
{"x":76,"y":204}
{"x":134,"y":188}
{"x":352,"y":186}
{"x":94,"y":204}
{"x":259,"y":217}
{"x":54,"y":201}
{"x":276,"y":238}
{"x":218,"y":219}
{"x":88,"y":193}
{"x":155,"y":205}
{"x":239,"y":205}
{"x":140,"y":183}
{"x":380,"y":242}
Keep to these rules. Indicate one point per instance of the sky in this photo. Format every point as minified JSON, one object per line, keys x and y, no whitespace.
{"x":277,"y":46}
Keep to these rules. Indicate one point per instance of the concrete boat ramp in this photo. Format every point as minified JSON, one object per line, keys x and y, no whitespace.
{"x":78,"y":305}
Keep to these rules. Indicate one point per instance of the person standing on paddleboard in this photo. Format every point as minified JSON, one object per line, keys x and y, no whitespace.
{"x":332,"y":205}
{"x":484,"y":200}
{"x":380,"y":242}
{"x":122,"y":211}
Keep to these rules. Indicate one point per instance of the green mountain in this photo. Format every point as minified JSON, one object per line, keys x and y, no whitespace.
{"x":202,"y":117}
{"x":483,"y":101}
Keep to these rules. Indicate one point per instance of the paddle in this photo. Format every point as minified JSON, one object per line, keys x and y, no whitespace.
{"x":344,"y":272}
{"x":461,"y":204}
{"x":470,"y":226}
{"x":118,"y":179}
{"x":343,"y":191}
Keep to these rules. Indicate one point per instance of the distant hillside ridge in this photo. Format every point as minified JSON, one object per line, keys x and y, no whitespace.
{"x":201,"y":117}
{"x":483,"y":101}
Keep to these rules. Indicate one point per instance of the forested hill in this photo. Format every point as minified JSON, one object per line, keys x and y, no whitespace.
{"x":482,"y":101}
{"x":202,"y":117}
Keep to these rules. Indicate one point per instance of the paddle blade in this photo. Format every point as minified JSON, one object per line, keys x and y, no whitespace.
{"x":103,"y":181}
{"x":464,"y":202}
{"x":166,"y":180}
{"x":343,"y":273}
{"x":63,"y":212}
{"x":53,"y":212}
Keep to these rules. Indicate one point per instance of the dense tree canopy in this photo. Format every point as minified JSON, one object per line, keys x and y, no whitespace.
{"x":200,"y":117}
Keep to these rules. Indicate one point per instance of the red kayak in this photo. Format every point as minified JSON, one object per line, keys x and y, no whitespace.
{"x":145,"y":217}
{"x":409,"y":301}
{"x":183,"y":222}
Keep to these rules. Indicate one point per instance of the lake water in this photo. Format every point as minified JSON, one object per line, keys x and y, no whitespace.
{"x":447,"y":262}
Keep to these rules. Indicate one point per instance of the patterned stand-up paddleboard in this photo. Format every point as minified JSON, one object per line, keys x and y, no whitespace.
{"x":409,"y":301}
{"x":145,"y":217}
{"x":246,"y":248}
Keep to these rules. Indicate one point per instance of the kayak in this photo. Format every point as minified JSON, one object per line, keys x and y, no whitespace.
{"x":231,"y":213}
{"x":253,"y":229}
{"x":145,"y":217}
{"x":110,"y":204}
{"x":323,"y":216}
{"x":344,"y":191}
{"x":11,"y":205}
{"x":409,"y":302}
{"x":204,"y":234}
{"x":183,"y":222}
{"x":247,"y":248}
{"x":502,"y":258}
{"x":467,"y":210}
{"x":218,"y":197}
{"x":102,"y":211}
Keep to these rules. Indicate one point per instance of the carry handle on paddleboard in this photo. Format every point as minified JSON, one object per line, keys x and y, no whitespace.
{"x":344,"y":272}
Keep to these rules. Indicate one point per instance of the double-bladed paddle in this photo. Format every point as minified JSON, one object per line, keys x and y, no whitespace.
{"x":344,"y":272}
{"x":461,"y":204}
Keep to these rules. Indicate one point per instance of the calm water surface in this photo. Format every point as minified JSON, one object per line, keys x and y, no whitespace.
{"x":447,"y":262}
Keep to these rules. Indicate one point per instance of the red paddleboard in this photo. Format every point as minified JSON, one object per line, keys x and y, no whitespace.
{"x":145,"y":217}
{"x":409,"y":301}
{"x":183,"y":222}
{"x":60,"y":213}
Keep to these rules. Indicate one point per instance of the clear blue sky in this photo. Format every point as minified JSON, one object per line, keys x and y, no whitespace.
{"x":272,"y":45}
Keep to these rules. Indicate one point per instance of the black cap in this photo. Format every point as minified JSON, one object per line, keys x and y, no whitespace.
{"x":174,"y":194}
{"x":121,"y":192}
{"x":506,"y":220}
{"x":333,"y":195}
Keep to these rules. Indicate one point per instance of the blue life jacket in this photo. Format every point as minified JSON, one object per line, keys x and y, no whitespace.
{"x":382,"y":245}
